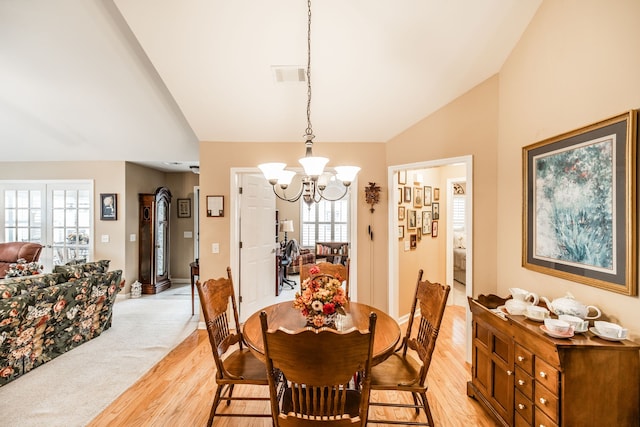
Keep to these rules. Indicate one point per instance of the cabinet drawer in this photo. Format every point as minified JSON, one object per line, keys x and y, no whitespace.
{"x":542,"y":420}
{"x":547,"y":402}
{"x":524,"y":383}
{"x":524,"y":407}
{"x":524,"y":359}
{"x":547,"y":375}
{"x":521,"y":422}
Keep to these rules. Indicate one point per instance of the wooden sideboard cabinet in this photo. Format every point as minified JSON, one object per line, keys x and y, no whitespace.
{"x":526,"y":378}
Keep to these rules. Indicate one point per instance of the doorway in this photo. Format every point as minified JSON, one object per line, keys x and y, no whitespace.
{"x":403,"y":189}
{"x":240,"y":216}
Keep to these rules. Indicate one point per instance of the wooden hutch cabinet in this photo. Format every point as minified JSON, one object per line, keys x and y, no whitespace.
{"x":526,"y":378}
{"x":153,"y":257}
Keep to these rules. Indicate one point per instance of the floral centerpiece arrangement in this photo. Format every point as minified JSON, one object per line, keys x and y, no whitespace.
{"x":321,"y":298}
{"x":23,"y":268}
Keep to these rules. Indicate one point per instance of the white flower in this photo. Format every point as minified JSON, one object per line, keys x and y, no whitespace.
{"x":317,"y":305}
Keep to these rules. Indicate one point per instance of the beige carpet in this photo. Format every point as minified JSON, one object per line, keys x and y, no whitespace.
{"x":72,"y":389}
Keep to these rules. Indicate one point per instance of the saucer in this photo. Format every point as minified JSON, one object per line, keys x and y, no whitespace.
{"x":568,"y":334}
{"x":535,"y":319}
{"x":604,"y":337}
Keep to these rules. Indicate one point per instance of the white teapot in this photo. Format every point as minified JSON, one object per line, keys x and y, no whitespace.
{"x":569,"y":305}
{"x":529,"y":298}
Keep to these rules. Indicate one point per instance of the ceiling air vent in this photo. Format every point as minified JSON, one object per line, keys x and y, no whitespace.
{"x":288,"y":73}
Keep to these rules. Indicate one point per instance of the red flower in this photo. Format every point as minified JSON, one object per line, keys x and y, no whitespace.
{"x":314,"y":270}
{"x":329,"y":308}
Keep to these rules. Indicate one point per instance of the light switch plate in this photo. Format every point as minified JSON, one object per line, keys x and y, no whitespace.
{"x":215,"y":248}
{"x":105,"y":238}
{"x":132,"y":237}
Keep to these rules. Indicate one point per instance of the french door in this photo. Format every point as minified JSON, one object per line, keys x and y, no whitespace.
{"x":58,"y":215}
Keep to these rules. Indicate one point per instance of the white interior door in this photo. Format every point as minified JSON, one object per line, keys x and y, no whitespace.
{"x":257,"y":253}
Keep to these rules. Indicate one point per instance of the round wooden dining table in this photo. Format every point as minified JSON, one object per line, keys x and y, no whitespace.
{"x":284,"y":315}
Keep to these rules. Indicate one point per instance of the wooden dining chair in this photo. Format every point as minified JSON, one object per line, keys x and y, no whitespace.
{"x":240,"y":367}
{"x":402,"y":372}
{"x":319,"y":365}
{"x":335,"y":270}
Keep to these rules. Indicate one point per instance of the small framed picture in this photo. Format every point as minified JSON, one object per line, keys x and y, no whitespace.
{"x":418,"y":196}
{"x":436,"y":194}
{"x":427,"y":196}
{"x":401,"y":213}
{"x":184,"y":208}
{"x":399,"y":195}
{"x":215,"y":206}
{"x":401,"y":232}
{"x":434,"y":229}
{"x":108,"y":207}
{"x":426,"y":222}
{"x":419,"y":233}
{"x":436,"y":211}
{"x":407,"y":194}
{"x":402,"y":177}
{"x":413,"y":241}
{"x":411,"y":219}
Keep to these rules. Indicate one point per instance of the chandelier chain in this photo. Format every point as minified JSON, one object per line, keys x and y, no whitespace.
{"x":309,"y":130}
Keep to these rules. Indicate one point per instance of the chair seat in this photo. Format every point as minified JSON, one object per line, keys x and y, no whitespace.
{"x":352,"y":405}
{"x":395,"y":373}
{"x":242,"y":363}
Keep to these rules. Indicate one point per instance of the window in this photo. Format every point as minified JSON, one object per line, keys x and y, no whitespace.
{"x":459,"y":206}
{"x":56,"y":215}
{"x":325,"y":221}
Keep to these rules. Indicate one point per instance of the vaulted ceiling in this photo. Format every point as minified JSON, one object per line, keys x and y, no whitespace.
{"x":146,"y":80}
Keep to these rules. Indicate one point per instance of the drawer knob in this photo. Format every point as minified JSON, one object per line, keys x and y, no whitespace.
{"x":543,"y":374}
{"x":520,"y":358}
{"x":509,"y":373}
{"x":543,"y":400}
{"x":521,"y":406}
{"x":521,"y":382}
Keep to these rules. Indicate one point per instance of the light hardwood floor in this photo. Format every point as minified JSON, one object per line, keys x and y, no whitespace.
{"x":178,"y":391}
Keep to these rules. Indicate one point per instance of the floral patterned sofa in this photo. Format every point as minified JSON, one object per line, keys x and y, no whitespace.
{"x":45,"y":315}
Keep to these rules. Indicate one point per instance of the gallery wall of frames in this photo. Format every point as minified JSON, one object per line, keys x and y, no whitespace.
{"x":418,"y":210}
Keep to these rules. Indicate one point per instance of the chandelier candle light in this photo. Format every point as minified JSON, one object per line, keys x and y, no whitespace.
{"x":315,"y":179}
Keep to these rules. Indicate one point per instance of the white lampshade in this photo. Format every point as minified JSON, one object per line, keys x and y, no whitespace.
{"x":285,"y":178}
{"x":272,"y":171}
{"x":347,"y":174}
{"x":286,"y":225}
{"x":313,"y":166}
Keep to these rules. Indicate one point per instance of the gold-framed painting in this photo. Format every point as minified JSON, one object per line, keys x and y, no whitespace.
{"x":579,"y":200}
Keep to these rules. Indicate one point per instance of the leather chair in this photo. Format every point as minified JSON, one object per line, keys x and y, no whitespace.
{"x":13,"y":251}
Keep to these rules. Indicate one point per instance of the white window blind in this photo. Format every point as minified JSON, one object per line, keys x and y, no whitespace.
{"x":325,"y":221}
{"x":459,"y":206}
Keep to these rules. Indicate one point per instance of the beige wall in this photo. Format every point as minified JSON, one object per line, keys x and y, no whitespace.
{"x":216,"y":160}
{"x":466,"y":126}
{"x":576,"y":64}
{"x":181,"y":185}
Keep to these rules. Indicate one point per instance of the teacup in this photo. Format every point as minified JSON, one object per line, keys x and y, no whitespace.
{"x":536,"y":312}
{"x":610,"y":330}
{"x":579,"y":325}
{"x":557,"y":325}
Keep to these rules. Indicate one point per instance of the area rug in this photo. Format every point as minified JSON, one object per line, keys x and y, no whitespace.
{"x":75,"y":387}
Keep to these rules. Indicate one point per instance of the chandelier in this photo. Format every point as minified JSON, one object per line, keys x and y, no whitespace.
{"x":315,"y":180}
